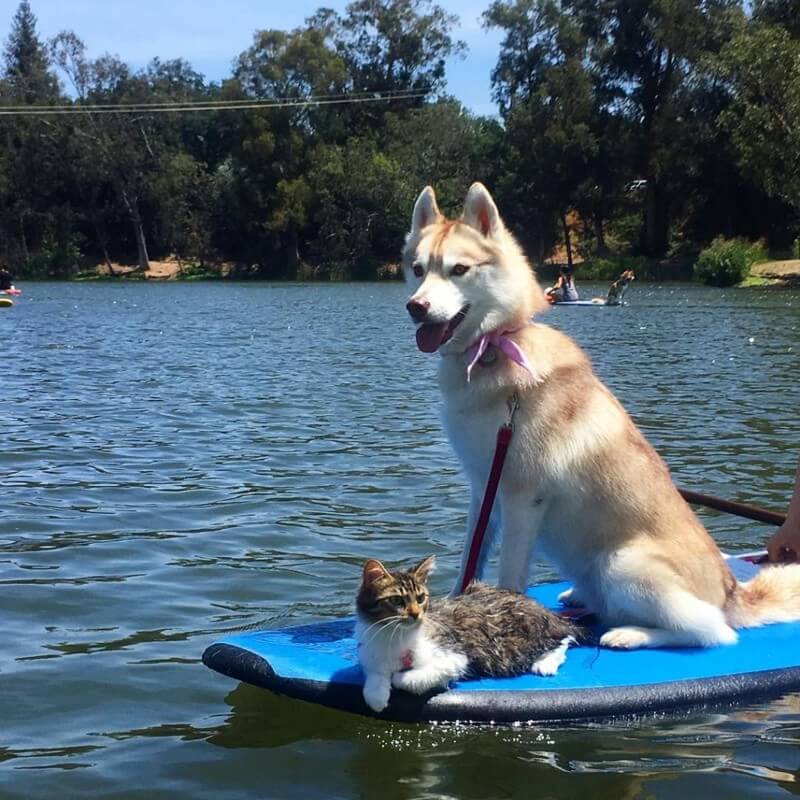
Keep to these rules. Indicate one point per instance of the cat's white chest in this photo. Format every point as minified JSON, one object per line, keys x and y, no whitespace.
{"x":387,"y":651}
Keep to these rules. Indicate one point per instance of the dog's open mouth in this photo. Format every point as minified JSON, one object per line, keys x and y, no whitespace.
{"x":432,"y":335}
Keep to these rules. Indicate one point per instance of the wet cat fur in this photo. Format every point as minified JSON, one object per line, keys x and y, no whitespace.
{"x":418,"y":644}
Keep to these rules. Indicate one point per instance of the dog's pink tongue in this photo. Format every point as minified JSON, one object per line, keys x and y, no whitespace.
{"x":430,"y":336}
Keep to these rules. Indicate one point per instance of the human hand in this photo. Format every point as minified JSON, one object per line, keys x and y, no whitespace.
{"x":784,"y":545}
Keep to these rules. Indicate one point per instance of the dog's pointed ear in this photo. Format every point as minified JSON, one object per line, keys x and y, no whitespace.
{"x":373,"y":572}
{"x":425,"y":210}
{"x":480,"y":212}
{"x":424,"y":568}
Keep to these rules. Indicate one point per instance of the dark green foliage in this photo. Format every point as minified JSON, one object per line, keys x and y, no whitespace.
{"x":781,"y":13}
{"x":726,"y":262}
{"x":762,"y":64}
{"x":632,"y":131}
{"x":27,"y":72}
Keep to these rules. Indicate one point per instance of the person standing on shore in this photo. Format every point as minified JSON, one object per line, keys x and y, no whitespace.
{"x":784,"y":544}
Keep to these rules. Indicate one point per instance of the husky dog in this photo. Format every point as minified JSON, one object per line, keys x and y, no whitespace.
{"x":580,"y":480}
{"x":617,"y":289}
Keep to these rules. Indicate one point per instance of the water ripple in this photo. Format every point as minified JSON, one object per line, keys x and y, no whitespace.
{"x":184,"y":460}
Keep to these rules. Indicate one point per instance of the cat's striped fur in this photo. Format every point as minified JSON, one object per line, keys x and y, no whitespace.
{"x":411,"y":642}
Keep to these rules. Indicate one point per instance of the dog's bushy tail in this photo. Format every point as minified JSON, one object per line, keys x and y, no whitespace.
{"x":772,"y":596}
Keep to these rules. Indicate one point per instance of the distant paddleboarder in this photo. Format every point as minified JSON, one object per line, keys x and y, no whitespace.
{"x":564,"y":290}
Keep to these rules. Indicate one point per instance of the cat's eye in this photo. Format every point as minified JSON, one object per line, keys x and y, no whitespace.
{"x":459,"y":269}
{"x":396,"y":601}
{"x":421,"y":598}
{"x":418,"y":270}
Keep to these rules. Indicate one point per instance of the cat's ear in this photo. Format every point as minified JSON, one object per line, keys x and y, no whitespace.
{"x":423,"y":569}
{"x":374,"y":571}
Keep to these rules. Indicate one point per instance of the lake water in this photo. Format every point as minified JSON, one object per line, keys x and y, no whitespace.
{"x":182,"y":460}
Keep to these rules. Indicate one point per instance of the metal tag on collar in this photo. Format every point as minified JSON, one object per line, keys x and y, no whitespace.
{"x":513,"y":407}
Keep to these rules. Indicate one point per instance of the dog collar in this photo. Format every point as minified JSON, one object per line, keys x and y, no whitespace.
{"x":503,"y":343}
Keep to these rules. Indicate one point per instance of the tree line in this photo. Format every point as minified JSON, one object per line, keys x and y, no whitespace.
{"x":624,"y":127}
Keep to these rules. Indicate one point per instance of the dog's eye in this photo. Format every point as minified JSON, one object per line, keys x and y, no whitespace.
{"x":418,"y":270}
{"x":459,"y":269}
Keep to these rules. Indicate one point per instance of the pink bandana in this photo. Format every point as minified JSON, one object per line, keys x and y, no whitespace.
{"x":507,"y":346}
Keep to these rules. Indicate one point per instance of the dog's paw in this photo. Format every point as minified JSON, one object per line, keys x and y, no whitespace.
{"x":570,"y":599}
{"x":627,"y":638}
{"x":377,"y":696}
{"x":726,"y":635}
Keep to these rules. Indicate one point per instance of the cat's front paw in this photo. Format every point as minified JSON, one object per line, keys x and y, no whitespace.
{"x":376,"y":695}
{"x":400,"y":680}
{"x":416,"y":681}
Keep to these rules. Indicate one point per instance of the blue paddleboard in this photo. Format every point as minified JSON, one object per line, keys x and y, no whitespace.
{"x":319,"y":663}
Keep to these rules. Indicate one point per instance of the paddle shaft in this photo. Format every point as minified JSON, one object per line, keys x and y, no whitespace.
{"x":730,"y":507}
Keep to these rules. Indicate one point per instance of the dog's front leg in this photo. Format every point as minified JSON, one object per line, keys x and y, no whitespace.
{"x":522,"y":516}
{"x":476,"y":498}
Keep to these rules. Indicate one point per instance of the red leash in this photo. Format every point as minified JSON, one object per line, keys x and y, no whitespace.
{"x":504,"y":435}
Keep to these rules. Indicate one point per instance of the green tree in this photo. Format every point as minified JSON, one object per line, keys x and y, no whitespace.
{"x":645,"y":56}
{"x":30,"y":210}
{"x":128,"y":152}
{"x":390,"y":46}
{"x":28,"y":78}
{"x":184,"y":196}
{"x":545,"y":94}
{"x":783,"y":13}
{"x":362,"y":191}
{"x":270,"y":151}
{"x":762,"y":65}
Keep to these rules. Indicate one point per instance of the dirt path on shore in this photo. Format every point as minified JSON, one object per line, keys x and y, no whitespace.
{"x":158,"y":271}
{"x":788,"y":271}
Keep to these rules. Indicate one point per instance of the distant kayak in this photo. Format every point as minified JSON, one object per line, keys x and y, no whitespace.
{"x":12,"y":290}
{"x":599,"y":302}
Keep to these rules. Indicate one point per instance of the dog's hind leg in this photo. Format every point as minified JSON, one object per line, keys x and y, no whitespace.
{"x":683,"y":620}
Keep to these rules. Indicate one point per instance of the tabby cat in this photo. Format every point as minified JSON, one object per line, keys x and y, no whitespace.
{"x":408,"y":641}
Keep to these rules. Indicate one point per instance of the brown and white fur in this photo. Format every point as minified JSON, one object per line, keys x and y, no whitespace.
{"x":580,"y":482}
{"x":409,"y":642}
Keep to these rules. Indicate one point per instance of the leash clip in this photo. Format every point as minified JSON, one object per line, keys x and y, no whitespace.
{"x":513,"y":407}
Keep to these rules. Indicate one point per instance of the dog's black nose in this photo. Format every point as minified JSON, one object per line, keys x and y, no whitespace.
{"x":418,"y":309}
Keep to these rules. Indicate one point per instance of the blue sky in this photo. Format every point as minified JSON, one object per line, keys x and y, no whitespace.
{"x":210,"y":33}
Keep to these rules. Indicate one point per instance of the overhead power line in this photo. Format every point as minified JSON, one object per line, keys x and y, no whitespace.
{"x":195,"y":106}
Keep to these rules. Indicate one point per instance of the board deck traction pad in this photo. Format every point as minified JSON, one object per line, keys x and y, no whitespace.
{"x":319,"y":663}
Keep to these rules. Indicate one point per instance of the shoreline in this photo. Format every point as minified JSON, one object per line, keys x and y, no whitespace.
{"x":778,"y":274}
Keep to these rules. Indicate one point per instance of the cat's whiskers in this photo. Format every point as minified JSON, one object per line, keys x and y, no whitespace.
{"x":397,"y":628}
{"x":382,"y":621}
{"x":380,"y":626}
